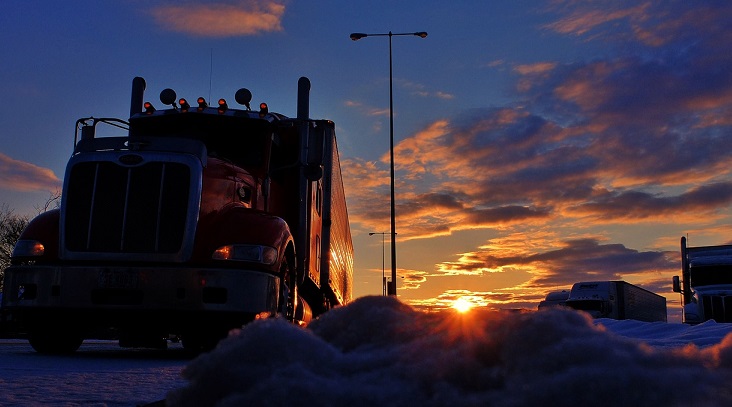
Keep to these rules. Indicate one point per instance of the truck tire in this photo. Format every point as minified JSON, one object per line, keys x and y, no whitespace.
{"x":55,"y":343}
{"x":288,"y":290}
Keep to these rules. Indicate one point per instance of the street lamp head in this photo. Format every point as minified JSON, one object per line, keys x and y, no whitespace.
{"x":372,"y":233}
{"x":358,"y":36}
{"x":421,"y":34}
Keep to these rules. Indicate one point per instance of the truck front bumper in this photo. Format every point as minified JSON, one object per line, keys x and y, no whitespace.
{"x":172,"y":299}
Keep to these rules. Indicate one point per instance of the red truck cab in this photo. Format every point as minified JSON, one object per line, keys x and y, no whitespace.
{"x":198,"y":221}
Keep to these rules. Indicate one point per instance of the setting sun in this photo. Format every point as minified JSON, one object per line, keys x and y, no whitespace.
{"x":462,"y":305}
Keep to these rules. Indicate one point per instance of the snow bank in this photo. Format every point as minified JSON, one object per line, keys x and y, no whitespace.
{"x":380,"y":352}
{"x":663,"y":335}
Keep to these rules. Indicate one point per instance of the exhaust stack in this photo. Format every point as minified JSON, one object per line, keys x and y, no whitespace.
{"x":303,"y":98}
{"x":138,"y":93}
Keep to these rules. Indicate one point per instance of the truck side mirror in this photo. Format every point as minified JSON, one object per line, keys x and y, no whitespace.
{"x":676,"y":284}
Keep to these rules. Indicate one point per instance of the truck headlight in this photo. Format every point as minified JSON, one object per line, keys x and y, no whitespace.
{"x":246,"y":252}
{"x":28,"y":248}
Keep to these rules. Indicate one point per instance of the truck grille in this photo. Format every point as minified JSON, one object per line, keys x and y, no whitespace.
{"x":717,"y":307}
{"x":111,"y":208}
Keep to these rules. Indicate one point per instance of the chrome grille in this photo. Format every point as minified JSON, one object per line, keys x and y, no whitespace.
{"x":112,"y":208}
{"x":717,"y":307}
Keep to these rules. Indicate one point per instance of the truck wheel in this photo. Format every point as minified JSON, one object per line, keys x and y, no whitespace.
{"x":288,"y":290}
{"x":56,"y":343}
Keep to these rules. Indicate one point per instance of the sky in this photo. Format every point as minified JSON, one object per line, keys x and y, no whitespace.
{"x":537,"y":143}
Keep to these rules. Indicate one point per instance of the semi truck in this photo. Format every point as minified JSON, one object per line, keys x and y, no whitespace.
{"x":706,"y":283}
{"x":617,"y":300}
{"x":554,"y":299}
{"x":196,"y":221}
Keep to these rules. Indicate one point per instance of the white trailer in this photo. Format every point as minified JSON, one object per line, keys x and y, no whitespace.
{"x":617,"y":300}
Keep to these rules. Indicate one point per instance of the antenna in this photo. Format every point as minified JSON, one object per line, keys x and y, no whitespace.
{"x":210,"y":74}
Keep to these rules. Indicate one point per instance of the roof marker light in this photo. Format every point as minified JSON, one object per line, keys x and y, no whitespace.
{"x":223,"y":106}
{"x":183,"y":104}
{"x":263,"y":109}
{"x":201,"y":103}
{"x":149,"y":108}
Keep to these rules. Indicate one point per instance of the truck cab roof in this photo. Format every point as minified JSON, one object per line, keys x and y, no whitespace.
{"x":237,"y":135}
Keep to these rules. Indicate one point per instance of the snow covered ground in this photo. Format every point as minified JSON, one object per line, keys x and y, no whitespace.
{"x":378,"y":351}
{"x":99,"y":374}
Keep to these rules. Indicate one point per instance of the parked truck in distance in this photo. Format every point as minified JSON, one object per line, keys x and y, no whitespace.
{"x":196,"y":221}
{"x":555,"y":299}
{"x":706,"y":283}
{"x":617,"y":300}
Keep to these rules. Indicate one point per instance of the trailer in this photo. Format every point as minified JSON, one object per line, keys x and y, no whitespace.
{"x":198,"y":220}
{"x":617,"y":300}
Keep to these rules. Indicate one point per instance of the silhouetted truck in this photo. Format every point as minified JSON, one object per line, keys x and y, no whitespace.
{"x":199,"y":220}
{"x":617,"y":300}
{"x":706,"y":284}
{"x":554,"y":299}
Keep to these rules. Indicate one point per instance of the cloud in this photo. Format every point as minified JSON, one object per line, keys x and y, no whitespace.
{"x":530,"y":72}
{"x":537,"y":68}
{"x":23,"y":176}
{"x":367,"y":110}
{"x":411,"y":279}
{"x":498,"y":166}
{"x":551,"y":268}
{"x":574,"y":260}
{"x":444,"y":95}
{"x":236,"y":18}
{"x":637,"y":135}
{"x":652,"y":23}
{"x":421,"y":90}
{"x":586,"y":19}
{"x":640,"y":205}
{"x":485,"y":300}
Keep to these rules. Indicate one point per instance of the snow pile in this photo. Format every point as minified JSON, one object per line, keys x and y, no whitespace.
{"x":378,"y":351}
{"x":663,"y":335}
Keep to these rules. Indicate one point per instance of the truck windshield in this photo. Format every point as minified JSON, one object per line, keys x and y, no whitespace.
{"x":243,"y":141}
{"x":710,"y":275}
{"x":586,"y":305}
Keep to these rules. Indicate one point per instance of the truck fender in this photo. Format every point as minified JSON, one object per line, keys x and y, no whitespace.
{"x":44,"y":228}
{"x":239,"y":225}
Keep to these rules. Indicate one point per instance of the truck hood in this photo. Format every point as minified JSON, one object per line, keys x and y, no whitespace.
{"x":717,"y":289}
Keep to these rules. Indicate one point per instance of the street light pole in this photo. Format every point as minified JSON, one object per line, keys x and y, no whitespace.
{"x":356,"y":37}
{"x":383,"y":264}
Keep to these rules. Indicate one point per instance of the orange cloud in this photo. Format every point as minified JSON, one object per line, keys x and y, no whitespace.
{"x":249,"y":17}
{"x":583,"y":20}
{"x":485,"y":300}
{"x":652,"y":23}
{"x":537,"y":68}
{"x":595,"y":152}
{"x":634,"y":205}
{"x":558,"y":264}
{"x":23,"y":176}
